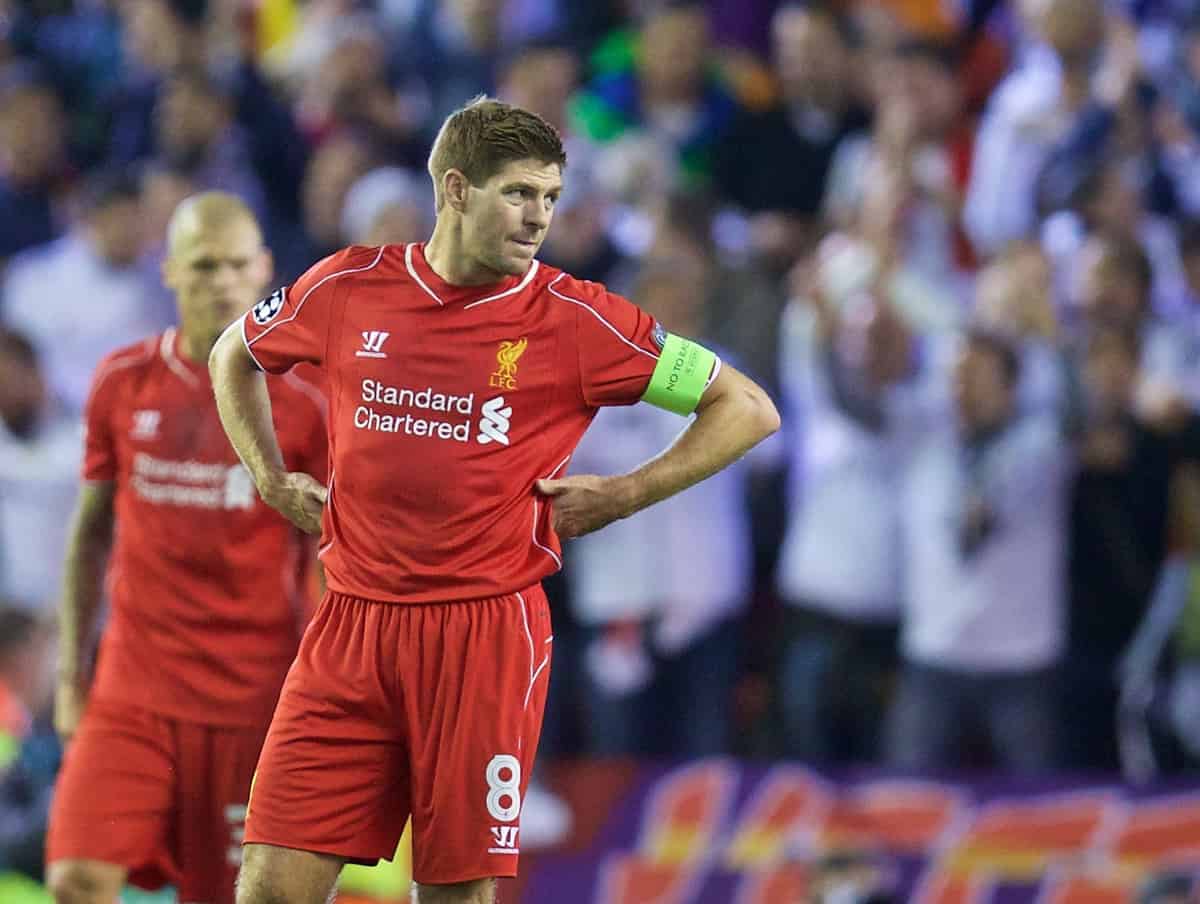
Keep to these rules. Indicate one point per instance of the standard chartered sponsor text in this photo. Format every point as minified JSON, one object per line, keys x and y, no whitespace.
{"x":198,"y":484}
{"x":371,"y":417}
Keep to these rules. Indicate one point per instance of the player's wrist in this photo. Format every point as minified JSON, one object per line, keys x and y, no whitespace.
{"x":629,"y":494}
{"x":271,"y":484}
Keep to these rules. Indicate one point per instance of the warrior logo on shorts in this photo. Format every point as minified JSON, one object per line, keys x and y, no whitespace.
{"x":504,"y":840}
{"x":507,"y":356}
{"x":265,"y":310}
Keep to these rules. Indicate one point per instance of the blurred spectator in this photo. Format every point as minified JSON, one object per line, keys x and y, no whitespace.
{"x":32,"y":161}
{"x":922,"y":143}
{"x":774,"y":164}
{"x":27,"y":762}
{"x":1031,"y":111}
{"x":339,"y":162}
{"x":388,"y":205}
{"x":1113,"y":285}
{"x":28,"y":753}
{"x":542,"y":77}
{"x":26,"y":676}
{"x":660,"y":83}
{"x":450,"y":53}
{"x":195,"y":132}
{"x":83,"y":295}
{"x":1106,"y":201}
{"x":41,"y":446}
{"x":228,"y":97}
{"x":1013,"y":296}
{"x":983,"y":514}
{"x":839,"y":571}
{"x":664,"y":639}
{"x":159,"y":36}
{"x":1121,"y":512}
{"x":348,"y":88}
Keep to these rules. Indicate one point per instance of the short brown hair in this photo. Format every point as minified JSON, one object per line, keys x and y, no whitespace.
{"x":480,"y":138}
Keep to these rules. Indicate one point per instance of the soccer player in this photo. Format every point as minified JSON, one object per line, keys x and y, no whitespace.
{"x":461,"y":374}
{"x":206,"y":587}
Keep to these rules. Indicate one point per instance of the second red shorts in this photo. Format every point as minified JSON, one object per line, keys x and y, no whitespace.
{"x":165,"y":799}
{"x":432,"y":710}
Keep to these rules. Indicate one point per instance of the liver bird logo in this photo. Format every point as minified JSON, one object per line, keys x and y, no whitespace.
{"x":505,"y":376}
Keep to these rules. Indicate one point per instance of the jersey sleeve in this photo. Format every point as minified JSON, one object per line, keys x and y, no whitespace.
{"x":291,"y":325}
{"x":100,"y":447}
{"x":617,"y":345}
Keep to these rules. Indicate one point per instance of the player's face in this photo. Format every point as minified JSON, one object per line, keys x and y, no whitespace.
{"x":507,"y":217}
{"x":217,"y":275}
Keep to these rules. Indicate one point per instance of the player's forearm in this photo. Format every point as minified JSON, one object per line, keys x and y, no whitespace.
{"x":245,"y":410}
{"x":725,"y":429}
{"x":89,"y":543}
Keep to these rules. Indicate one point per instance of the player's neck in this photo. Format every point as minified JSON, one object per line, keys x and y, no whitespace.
{"x":195,"y":349}
{"x":445,"y":256}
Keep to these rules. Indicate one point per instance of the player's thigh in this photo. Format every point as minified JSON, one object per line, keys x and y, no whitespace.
{"x":85,"y":881}
{"x":114,"y":795}
{"x":473,"y":729}
{"x":278,"y":875}
{"x":480,"y":891}
{"x":331,"y":778}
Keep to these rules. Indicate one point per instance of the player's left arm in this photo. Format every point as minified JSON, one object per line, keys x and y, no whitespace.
{"x":733,"y":415}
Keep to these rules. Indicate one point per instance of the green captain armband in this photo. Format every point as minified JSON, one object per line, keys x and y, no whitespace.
{"x":682,"y":375}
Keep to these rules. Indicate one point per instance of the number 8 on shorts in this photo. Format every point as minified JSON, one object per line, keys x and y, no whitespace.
{"x":502,"y":785}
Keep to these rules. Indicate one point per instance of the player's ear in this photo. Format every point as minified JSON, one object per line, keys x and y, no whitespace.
{"x":454,"y":189}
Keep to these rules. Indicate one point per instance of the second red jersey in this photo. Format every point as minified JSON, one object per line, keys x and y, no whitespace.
{"x":447,"y":403}
{"x":206,"y":581}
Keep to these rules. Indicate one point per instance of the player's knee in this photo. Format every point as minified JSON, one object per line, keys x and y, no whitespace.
{"x":271,"y":875}
{"x":73,"y":882}
{"x":480,"y":891}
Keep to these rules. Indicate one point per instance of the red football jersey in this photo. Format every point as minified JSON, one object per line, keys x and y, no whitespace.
{"x":205,"y":580}
{"x":446,"y":403}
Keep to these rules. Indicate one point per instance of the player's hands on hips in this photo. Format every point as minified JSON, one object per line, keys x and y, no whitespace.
{"x":584,"y":503}
{"x":69,"y":699}
{"x":300,"y":498}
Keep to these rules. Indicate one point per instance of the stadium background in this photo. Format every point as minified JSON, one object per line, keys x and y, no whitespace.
{"x":726,"y":719}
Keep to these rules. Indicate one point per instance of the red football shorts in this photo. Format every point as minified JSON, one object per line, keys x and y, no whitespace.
{"x":165,"y":799}
{"x":394,"y":709}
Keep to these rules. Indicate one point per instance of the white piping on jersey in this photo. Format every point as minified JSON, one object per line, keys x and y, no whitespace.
{"x":303,"y":386}
{"x":167,"y":348}
{"x":412,"y":271}
{"x":249,"y":351}
{"x":529,"y":274}
{"x":528,"y":633}
{"x":546,"y":549}
{"x":328,"y":502}
{"x":113,"y":366}
{"x":320,"y":283}
{"x":533,"y":673}
{"x":598,"y":316}
{"x":533,"y":680}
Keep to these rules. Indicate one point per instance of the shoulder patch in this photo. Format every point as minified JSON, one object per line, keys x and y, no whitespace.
{"x":267,"y":309}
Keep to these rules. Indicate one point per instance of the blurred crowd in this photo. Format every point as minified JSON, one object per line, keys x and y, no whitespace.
{"x":960,"y":241}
